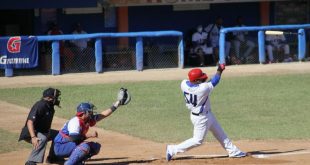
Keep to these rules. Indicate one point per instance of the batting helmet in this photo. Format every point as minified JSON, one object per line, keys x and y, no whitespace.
{"x":196,"y":74}
{"x":84,"y":107}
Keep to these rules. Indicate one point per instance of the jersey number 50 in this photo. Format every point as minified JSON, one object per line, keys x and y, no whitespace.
{"x":190,"y":99}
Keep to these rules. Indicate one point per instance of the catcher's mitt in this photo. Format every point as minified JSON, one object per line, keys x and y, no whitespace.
{"x":123,"y":96}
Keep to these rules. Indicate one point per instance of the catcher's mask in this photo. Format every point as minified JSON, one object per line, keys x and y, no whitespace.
{"x":196,"y":74}
{"x":85,"y":108}
{"x":54,"y":94}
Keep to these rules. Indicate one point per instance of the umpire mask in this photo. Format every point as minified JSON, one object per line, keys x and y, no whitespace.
{"x":56,"y":100}
{"x":54,"y":94}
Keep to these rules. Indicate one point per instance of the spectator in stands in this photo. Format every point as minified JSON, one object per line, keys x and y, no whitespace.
{"x":81,"y":44}
{"x":239,"y":40}
{"x":277,"y":43}
{"x":55,"y":30}
{"x":213,"y":31}
{"x":200,"y":46}
{"x":82,"y":57}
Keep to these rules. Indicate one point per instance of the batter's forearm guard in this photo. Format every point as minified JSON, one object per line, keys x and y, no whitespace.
{"x":215,"y":79}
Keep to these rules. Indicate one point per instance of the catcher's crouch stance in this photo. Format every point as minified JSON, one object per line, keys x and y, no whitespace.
{"x":70,"y":141}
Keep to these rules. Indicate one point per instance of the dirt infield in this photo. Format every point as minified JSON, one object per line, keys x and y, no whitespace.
{"x":123,"y":149}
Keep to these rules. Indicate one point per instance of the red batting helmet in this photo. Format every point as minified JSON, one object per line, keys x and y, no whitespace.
{"x":196,"y":74}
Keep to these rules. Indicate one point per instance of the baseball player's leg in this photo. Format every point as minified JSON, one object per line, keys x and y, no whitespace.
{"x":37,"y":155}
{"x":201,"y":56}
{"x":227,"y":49}
{"x":51,"y":156}
{"x":286,"y":49}
{"x":199,"y":133}
{"x":221,"y":136}
{"x":64,"y":149}
{"x":94,"y":148}
{"x":250,"y":46}
{"x":82,"y":152}
{"x":287,"y":57}
{"x":270,"y":52}
{"x":236,"y":45}
{"x":215,"y":51}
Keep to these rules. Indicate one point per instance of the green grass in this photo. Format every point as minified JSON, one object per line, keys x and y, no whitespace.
{"x":255,"y":107}
{"x":8,"y":142}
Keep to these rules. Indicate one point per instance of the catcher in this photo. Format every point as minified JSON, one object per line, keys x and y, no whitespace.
{"x":70,"y":141}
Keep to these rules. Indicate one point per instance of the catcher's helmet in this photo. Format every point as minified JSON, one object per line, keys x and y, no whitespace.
{"x":196,"y":74}
{"x":84,"y":107}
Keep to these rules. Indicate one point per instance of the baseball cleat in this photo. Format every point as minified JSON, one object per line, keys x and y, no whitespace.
{"x":239,"y":155}
{"x":168,"y":155}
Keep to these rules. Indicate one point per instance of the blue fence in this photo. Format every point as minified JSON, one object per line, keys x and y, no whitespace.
{"x":55,"y":39}
{"x":261,"y":38}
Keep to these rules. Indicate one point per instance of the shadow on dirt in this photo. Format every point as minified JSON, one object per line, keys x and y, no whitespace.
{"x":273,"y":152}
{"x":118,"y":161}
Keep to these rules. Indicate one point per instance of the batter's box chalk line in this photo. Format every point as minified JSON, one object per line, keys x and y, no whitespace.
{"x":279,"y":154}
{"x":252,"y":155}
{"x":200,"y":156}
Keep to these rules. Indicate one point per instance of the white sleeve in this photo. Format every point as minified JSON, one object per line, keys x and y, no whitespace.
{"x":283,"y":38}
{"x":207,"y":29}
{"x":74,"y":126}
{"x":208,"y":87}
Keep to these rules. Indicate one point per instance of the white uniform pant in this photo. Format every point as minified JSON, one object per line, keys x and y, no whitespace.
{"x":202,"y":124}
{"x":271,"y":48}
{"x":227,"y":48}
{"x":249,"y":44}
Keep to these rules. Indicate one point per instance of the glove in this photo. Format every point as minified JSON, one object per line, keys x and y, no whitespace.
{"x":123,"y":96}
{"x":221,"y":68}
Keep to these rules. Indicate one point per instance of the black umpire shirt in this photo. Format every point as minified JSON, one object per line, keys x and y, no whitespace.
{"x":41,"y":114}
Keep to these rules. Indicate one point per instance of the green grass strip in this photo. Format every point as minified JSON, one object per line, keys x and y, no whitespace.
{"x":254,"y":107}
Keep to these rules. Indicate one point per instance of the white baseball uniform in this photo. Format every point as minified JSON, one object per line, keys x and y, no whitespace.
{"x":215,"y":36}
{"x":276,"y":42}
{"x":240,"y":38}
{"x":200,"y":39}
{"x":198,"y":102}
{"x":82,"y":44}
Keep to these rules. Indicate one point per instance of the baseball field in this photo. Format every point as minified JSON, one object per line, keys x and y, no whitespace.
{"x":264,"y":109}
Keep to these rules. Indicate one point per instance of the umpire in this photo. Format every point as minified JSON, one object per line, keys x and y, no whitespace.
{"x":37,"y":129}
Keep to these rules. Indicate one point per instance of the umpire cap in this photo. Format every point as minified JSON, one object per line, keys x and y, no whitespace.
{"x":51,"y":92}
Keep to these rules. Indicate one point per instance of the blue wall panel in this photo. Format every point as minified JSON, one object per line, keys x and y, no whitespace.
{"x":164,"y":18}
{"x":92,"y":23}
